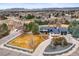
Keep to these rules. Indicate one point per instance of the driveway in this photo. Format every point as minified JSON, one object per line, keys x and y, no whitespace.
{"x":40,"y":49}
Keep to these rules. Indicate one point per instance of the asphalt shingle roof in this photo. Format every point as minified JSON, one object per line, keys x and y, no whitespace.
{"x":53,"y":29}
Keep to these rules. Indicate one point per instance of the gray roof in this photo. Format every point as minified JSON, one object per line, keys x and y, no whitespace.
{"x":53,"y":29}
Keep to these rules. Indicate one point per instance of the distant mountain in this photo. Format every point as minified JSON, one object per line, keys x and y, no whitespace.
{"x":16,"y":9}
{"x":69,"y":8}
{"x":42,"y":9}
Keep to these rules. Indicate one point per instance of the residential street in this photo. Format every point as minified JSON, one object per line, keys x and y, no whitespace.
{"x":6,"y":52}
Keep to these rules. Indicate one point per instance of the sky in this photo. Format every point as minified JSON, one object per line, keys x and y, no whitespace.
{"x":37,"y":5}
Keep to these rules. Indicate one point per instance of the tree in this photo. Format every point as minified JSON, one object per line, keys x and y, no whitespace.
{"x":39,"y":17}
{"x":31,"y":24}
{"x":3,"y":17}
{"x":74,"y":28}
{"x":29,"y":16}
{"x":4,"y":30}
{"x":57,"y":14}
{"x":35,"y":29}
{"x":72,"y":25}
{"x":76,"y":32}
{"x":26,"y":28}
{"x":70,"y":28}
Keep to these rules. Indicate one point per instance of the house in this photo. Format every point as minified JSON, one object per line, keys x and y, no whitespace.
{"x":55,"y":30}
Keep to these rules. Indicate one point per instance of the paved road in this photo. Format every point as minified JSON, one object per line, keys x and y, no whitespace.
{"x":9,"y":37}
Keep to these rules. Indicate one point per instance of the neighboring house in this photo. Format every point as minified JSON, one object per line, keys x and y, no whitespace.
{"x":55,"y":30}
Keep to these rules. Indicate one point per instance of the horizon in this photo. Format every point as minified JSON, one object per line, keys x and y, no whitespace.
{"x":37,"y":5}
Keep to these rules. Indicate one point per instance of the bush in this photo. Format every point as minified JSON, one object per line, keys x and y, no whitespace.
{"x":59,"y":41}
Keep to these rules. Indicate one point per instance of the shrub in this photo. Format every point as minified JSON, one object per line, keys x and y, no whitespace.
{"x":59,"y":41}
